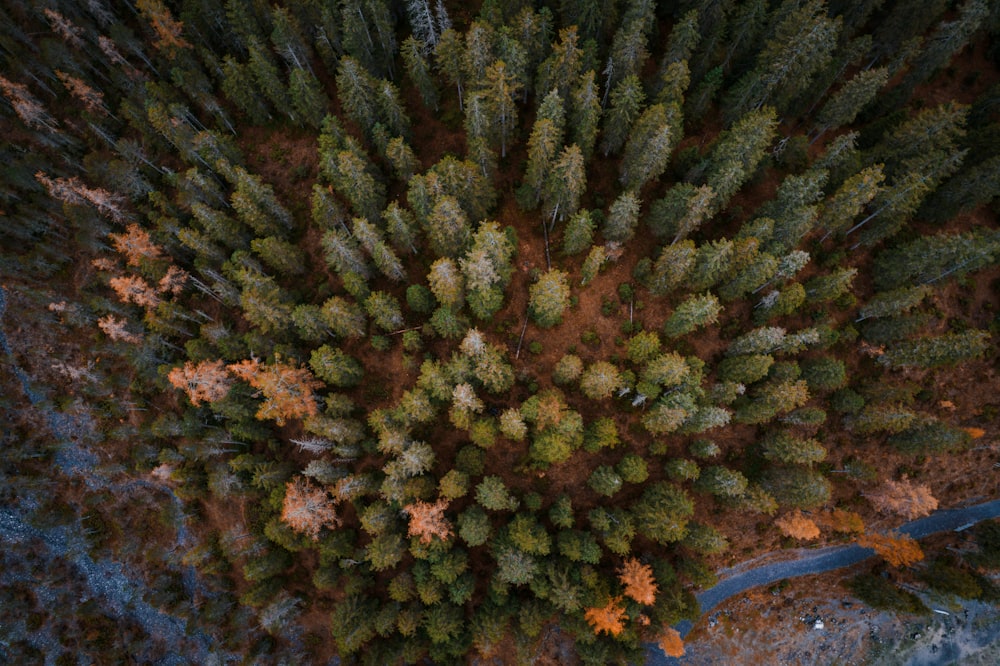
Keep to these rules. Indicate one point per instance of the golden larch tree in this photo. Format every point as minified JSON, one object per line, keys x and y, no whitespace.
{"x":897,"y":549}
{"x":173,"y":280}
{"x":638,"y":581}
{"x":843,"y":521}
{"x":427,"y":520}
{"x":135,"y":245}
{"x":133,"y":289}
{"x":797,"y":526}
{"x":610,"y":618}
{"x":167,"y":29}
{"x":671,"y":643}
{"x":307,"y":508}
{"x":206,"y":381}
{"x":903,"y":498}
{"x":115,"y":329}
{"x":288,"y":390}
{"x":92,"y":100}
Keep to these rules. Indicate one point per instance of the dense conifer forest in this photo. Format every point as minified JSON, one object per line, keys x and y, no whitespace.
{"x":395,"y":330}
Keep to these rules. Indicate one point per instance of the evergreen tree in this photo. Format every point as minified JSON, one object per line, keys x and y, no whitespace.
{"x":784,"y":447}
{"x":627,"y":99}
{"x":800,"y":46}
{"x":850,"y":199}
{"x":672,"y":266}
{"x":563,"y":66}
{"x":693,"y":313}
{"x":544,"y":143}
{"x":447,"y":228}
{"x":946,"y":349}
{"x":450,"y":55}
{"x":651,"y":141}
{"x":844,"y":106}
{"x":737,"y":152}
{"x":565,"y":184}
{"x":662,"y":512}
{"x":579,"y":233}
{"x":419,"y":70}
{"x":549,"y":298}
{"x":368,"y":31}
{"x":623,"y":217}
{"x":500,"y":88}
{"x":927,"y":259}
{"x":585,"y":113}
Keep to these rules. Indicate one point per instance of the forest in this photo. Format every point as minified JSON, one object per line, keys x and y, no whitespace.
{"x":400,"y":330}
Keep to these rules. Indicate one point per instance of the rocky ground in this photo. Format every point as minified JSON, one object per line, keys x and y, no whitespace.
{"x":816,"y":621}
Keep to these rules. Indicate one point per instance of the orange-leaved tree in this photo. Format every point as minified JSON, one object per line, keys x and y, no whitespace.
{"x":308,"y":508}
{"x":206,"y":381}
{"x":427,"y":520}
{"x":116,"y":329}
{"x":610,"y":618}
{"x":903,"y":498}
{"x":797,"y":526}
{"x":167,"y":29}
{"x":638,"y":581}
{"x":897,"y":549}
{"x":133,"y":289}
{"x":135,"y":244}
{"x":173,"y":280}
{"x":288,"y":390}
{"x":671,"y":643}
{"x":843,"y":521}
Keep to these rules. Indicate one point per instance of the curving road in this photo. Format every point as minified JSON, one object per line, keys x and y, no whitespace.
{"x":806,"y":562}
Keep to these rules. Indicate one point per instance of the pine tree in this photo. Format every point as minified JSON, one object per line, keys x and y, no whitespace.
{"x":651,"y":141}
{"x":419,"y":70}
{"x":627,"y":100}
{"x":628,"y":53}
{"x":563,"y":66}
{"x":800,"y":46}
{"x":927,"y":259}
{"x":949,"y":38}
{"x":447,"y":283}
{"x":623,"y":217}
{"x":600,"y":380}
{"x":344,"y":318}
{"x":548,"y":298}
{"x":662,"y":512}
{"x":844,"y":106}
{"x":585,"y":113}
{"x":695,"y":312}
{"x":578,"y":234}
{"x":784,"y":447}
{"x":947,"y":349}
{"x":450,"y":55}
{"x":544,"y":143}
{"x":384,"y":311}
{"x":369,"y":34}
{"x":448,"y":229}
{"x":500,"y":88}
{"x":672,"y":266}
{"x":737,"y":152}
{"x":838,"y":212}
{"x":592,"y":265}
{"x":565,"y":184}
{"x":335,"y":367}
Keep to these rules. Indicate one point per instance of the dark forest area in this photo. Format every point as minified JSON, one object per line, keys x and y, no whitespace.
{"x":390,"y":331}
